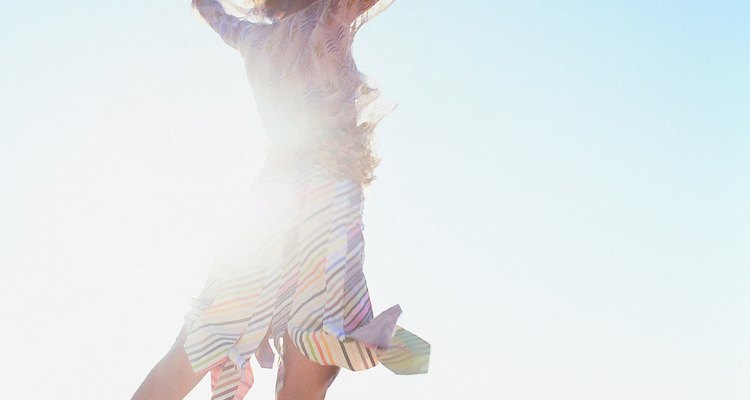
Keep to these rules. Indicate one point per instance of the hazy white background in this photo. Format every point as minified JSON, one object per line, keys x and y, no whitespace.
{"x":562,"y":206}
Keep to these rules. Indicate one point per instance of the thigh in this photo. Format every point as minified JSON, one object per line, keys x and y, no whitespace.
{"x":301,"y":379}
{"x":182,"y":372}
{"x":172,"y":377}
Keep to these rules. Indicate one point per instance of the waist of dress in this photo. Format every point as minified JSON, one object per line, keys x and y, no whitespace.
{"x":287,"y":158}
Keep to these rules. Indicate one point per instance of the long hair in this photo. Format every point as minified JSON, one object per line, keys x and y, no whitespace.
{"x":350,"y":153}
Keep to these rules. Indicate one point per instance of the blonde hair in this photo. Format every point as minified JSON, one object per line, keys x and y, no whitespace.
{"x":349,"y":154}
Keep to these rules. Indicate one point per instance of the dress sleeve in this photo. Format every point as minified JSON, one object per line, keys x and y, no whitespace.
{"x":230,"y":28}
{"x":356,"y":12}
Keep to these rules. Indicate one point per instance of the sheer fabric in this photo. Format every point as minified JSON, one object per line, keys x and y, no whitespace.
{"x":297,"y":266}
{"x":314,"y":102}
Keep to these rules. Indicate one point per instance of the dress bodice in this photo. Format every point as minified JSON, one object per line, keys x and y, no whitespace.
{"x":310,"y":95}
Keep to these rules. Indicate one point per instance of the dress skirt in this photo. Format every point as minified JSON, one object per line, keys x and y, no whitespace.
{"x":296,"y":267}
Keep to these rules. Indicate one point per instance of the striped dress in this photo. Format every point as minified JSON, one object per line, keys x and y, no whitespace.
{"x":295,"y":265}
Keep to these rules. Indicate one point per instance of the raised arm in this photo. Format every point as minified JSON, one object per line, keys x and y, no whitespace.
{"x":230,"y":28}
{"x":357,"y":12}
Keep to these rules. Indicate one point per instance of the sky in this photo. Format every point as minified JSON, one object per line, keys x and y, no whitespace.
{"x":561,"y":209}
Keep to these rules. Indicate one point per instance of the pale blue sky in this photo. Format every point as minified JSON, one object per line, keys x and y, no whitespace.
{"x":561,"y":209}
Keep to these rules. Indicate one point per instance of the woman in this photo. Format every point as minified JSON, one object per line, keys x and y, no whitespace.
{"x":294,"y":273}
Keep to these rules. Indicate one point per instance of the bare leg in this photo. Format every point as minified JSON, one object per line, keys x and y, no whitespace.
{"x":301,"y":379}
{"x":172,"y":378}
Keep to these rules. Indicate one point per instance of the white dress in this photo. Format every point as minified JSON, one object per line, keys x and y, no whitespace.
{"x":297,"y":267}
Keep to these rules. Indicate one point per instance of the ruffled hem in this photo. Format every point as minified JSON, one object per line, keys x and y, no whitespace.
{"x":377,"y":341}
